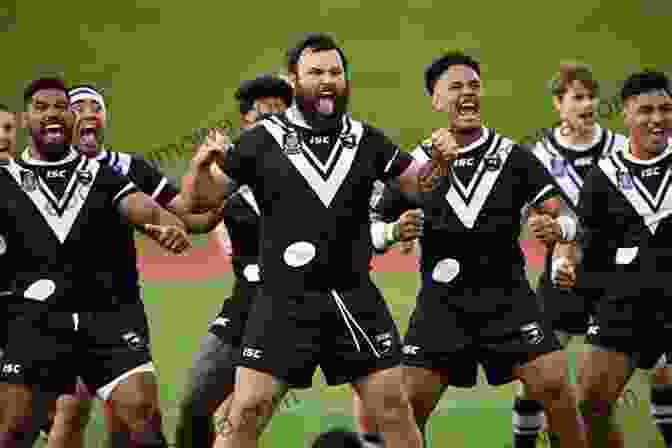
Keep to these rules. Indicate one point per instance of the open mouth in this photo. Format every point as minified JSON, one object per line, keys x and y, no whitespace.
{"x":469,"y":109}
{"x":326,"y":102}
{"x":87,"y":135}
{"x":53,"y":133}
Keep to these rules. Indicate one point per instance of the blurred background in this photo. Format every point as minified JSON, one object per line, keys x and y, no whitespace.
{"x":168,"y":68}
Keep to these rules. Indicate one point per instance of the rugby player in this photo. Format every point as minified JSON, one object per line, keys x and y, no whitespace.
{"x":212,"y":375}
{"x":481,"y":305}
{"x":59,"y":204}
{"x":312,"y":171}
{"x":567,"y":151}
{"x":624,"y":208}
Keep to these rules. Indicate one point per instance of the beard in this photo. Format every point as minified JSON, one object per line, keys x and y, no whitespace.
{"x":307,"y":102}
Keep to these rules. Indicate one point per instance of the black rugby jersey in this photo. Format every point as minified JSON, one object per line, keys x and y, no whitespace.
{"x":148,"y":179}
{"x":569,"y":166}
{"x":241,"y":217}
{"x":314,"y":198}
{"x":473,"y":217}
{"x":59,"y":218}
{"x":625,"y":209}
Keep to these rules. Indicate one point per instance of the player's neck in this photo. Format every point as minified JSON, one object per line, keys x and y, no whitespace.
{"x":36,"y":152}
{"x":640,"y":153}
{"x":576,"y":138}
{"x":466,"y":138}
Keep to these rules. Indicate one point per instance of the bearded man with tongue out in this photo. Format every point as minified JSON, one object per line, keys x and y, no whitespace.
{"x":312,"y":171}
{"x":68,"y":309}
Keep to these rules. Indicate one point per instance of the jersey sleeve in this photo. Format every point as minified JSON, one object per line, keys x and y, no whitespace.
{"x":390,"y":160}
{"x":116,"y":186}
{"x":593,"y":215}
{"x":390,"y":203}
{"x":240,"y":161}
{"x":536,"y":182}
{"x":151,"y":181}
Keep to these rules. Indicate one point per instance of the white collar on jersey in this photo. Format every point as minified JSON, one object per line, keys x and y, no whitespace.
{"x":485,"y":134}
{"x":580,"y":147}
{"x":28,"y":158}
{"x":627,"y":154}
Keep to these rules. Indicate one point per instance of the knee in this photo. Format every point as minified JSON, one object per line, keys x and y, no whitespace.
{"x":247,"y":414}
{"x":70,"y":412}
{"x":389,"y":408}
{"x":546,"y":381}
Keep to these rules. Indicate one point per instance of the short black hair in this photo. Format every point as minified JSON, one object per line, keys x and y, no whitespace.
{"x":644,"y":82}
{"x":263,"y":86}
{"x":343,"y":438}
{"x":52,"y":82}
{"x":316,"y":42}
{"x":434,"y":70}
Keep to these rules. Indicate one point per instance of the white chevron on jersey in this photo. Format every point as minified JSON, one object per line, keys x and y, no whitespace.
{"x":468,"y":202}
{"x":651,"y":208}
{"x":324,"y":184}
{"x":248,"y":196}
{"x":62,"y":217}
{"x":570,"y":182}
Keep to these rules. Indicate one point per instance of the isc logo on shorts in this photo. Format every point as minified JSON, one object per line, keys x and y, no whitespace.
{"x":11,"y":369}
{"x":410,"y":349}
{"x":254,"y":353}
{"x":532,"y":333}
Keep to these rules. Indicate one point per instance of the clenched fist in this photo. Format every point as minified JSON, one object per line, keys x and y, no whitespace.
{"x":410,"y":225}
{"x":211,"y":150}
{"x":563,"y":273}
{"x":172,"y":238}
{"x":544,"y":228}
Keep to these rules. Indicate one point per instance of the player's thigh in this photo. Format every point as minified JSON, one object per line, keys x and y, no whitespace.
{"x":282,"y":336}
{"x":528,"y":350}
{"x":565,"y":311}
{"x":212,"y":375}
{"x":438,"y":346}
{"x":40,"y":352}
{"x":620,"y":342}
{"x":119,"y":364}
{"x":360,"y":336}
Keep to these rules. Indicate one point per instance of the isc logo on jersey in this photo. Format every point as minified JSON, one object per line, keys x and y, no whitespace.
{"x":56,"y":174}
{"x":653,"y":171}
{"x":11,"y":369}
{"x":468,"y":161}
{"x":249,"y":352}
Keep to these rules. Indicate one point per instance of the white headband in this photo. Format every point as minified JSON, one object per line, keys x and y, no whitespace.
{"x":87,"y":93}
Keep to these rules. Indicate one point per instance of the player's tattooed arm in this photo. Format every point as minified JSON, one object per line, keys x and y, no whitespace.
{"x":161,"y":225}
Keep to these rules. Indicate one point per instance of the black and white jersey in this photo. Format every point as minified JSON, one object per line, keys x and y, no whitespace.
{"x":569,"y":166}
{"x":625,"y":209}
{"x":313,"y":190}
{"x":472,"y":218}
{"x":59,"y":223}
{"x":242,"y":219}
{"x":148,"y":179}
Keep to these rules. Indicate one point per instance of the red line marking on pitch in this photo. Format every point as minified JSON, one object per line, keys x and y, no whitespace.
{"x":208,"y":262}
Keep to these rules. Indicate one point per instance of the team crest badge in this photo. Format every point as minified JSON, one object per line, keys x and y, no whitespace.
{"x":532,"y":333}
{"x":348,"y":141}
{"x":292,"y":143}
{"x":558,"y":167}
{"x":28,"y":181}
{"x":84,"y":177}
{"x":493,"y":162}
{"x":624,"y":181}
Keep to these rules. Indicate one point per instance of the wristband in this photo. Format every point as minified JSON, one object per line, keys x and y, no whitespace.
{"x":567,"y":228}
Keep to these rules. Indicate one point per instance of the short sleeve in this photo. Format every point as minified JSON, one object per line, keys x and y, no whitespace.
{"x":240,"y":162}
{"x":116,"y":186}
{"x":536,"y":182}
{"x":390,"y":160}
{"x":151,"y":181}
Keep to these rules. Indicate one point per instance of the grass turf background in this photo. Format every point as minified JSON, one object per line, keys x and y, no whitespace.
{"x":171,"y":67}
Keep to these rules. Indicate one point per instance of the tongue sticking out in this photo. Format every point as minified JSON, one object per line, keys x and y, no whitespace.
{"x":325,"y":105}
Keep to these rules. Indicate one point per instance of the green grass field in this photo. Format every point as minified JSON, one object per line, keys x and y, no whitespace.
{"x":171,"y":67}
{"x":459,"y":420}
